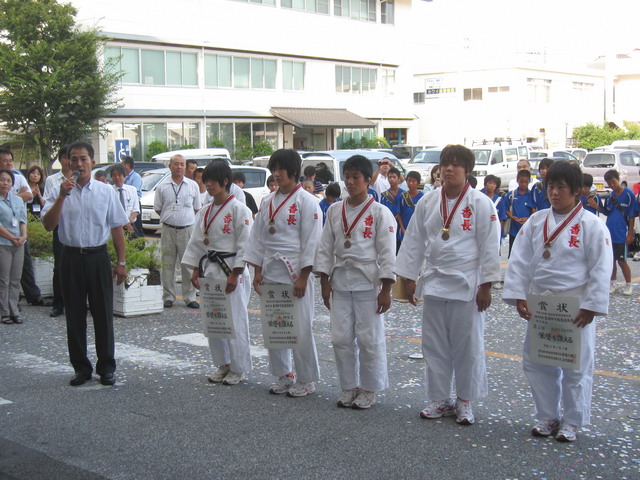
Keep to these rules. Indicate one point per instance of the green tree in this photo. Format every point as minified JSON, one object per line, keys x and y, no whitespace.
{"x":590,"y":136}
{"x":53,"y":87}
{"x":261,"y":149}
{"x":155,"y":148}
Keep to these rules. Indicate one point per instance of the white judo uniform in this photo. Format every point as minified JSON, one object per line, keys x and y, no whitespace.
{"x":451,"y":272}
{"x":229,"y":233}
{"x":357,"y":331}
{"x":282,"y":255}
{"x":580,"y":264}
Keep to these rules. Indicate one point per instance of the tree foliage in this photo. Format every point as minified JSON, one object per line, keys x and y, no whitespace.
{"x":53,"y":87}
{"x":590,"y":136}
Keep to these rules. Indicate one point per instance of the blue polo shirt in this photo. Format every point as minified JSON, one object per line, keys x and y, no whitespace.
{"x":539,"y":198}
{"x":617,"y":220}
{"x":522,"y":208}
{"x":584,"y":200}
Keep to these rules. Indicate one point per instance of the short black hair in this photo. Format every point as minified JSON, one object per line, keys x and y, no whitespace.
{"x":460,"y":154}
{"x":128,"y":159}
{"x":239,"y":177}
{"x":562,"y":170}
{"x":286,"y":159}
{"x":63,"y":151}
{"x":415,"y":175}
{"x":545,"y":162}
{"x":609,"y":174}
{"x":524,"y":173}
{"x":309,"y":171}
{"x":394,"y":170}
{"x":6,"y":151}
{"x":99,"y":174}
{"x":80,"y":145}
{"x":199,"y":170}
{"x":587,"y":180}
{"x":473,"y":181}
{"x":333,"y":190}
{"x":359,"y":163}
{"x":119,"y":169}
{"x":10,"y":173}
{"x":270,"y":179}
{"x":494,"y":179}
{"x":218,"y":171}
{"x":191,"y":160}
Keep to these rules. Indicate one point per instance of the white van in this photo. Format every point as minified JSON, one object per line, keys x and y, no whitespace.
{"x":498,"y":160}
{"x":202,"y":155}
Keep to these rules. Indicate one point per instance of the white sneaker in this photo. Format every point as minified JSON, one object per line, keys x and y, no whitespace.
{"x":364,"y":400}
{"x":234,"y":378}
{"x":627,"y":290}
{"x":497,"y":286}
{"x":301,"y":389}
{"x":283,"y":384}
{"x":544,"y":428}
{"x":464,"y":413}
{"x":218,"y":375}
{"x":614,"y":287}
{"x":347,"y":398}
{"x":567,"y":432}
{"x":437,"y":409}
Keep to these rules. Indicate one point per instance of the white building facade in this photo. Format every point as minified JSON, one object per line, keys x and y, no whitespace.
{"x":304,"y":74}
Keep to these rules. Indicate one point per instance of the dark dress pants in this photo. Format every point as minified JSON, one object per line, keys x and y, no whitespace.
{"x":28,"y":280}
{"x":58,"y":302}
{"x":88,"y":276}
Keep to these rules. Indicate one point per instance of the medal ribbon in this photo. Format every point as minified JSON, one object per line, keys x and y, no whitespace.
{"x":272,"y":214}
{"x":548,"y":240}
{"x":208,"y":223}
{"x":345,"y":225}
{"x":447,"y":217}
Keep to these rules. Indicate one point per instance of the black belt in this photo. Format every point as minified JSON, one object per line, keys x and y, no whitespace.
{"x":217,"y":257}
{"x":176,"y":228}
{"x":85,"y":250}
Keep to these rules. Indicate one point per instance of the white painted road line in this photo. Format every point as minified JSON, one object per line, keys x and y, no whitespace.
{"x":5,"y":402}
{"x":39,"y":364}
{"x":150,"y":358}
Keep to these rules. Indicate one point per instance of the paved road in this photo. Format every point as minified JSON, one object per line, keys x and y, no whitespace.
{"x":164,"y":421}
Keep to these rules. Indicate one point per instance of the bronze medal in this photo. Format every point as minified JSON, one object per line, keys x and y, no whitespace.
{"x":445,"y":235}
{"x":347,"y":244}
{"x":272,"y":230}
{"x":546,"y":254}
{"x":206,"y":241}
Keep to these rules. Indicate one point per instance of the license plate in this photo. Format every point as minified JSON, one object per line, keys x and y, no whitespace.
{"x":599,"y":186}
{"x":146,"y":216}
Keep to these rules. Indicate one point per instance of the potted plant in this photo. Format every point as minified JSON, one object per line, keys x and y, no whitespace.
{"x":41,"y":248}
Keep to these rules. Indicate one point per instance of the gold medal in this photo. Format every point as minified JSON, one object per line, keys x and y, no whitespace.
{"x":546,"y":254}
{"x":347,"y":244}
{"x":445,"y":235}
{"x":206,"y":241}
{"x":272,"y":230}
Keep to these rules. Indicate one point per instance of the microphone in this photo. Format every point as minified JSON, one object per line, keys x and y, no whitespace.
{"x":75,"y":174}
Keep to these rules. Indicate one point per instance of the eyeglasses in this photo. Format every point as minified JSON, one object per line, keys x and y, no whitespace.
{"x":383,"y":163}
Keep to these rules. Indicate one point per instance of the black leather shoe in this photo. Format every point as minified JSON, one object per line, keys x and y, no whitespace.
{"x":56,"y":312}
{"x":16,"y":319}
{"x":79,"y":379}
{"x":168,"y":304}
{"x":108,"y":379}
{"x":43,"y":302}
{"x":193,"y":304}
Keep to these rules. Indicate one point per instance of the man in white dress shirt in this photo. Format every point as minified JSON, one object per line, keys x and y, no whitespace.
{"x":177,"y":201}
{"x":86,"y":213}
{"x":128,"y":196}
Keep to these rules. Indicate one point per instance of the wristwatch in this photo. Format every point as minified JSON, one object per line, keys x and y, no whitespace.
{"x":122,"y":264}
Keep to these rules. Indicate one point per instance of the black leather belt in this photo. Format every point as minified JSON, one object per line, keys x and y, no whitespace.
{"x":85,"y":250}
{"x":176,"y":228}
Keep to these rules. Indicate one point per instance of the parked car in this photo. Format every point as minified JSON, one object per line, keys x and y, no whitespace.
{"x":202,"y":155}
{"x":579,"y":153}
{"x":406,"y":152}
{"x":330,"y":163}
{"x":139,"y":167}
{"x":556,"y":154}
{"x":255,"y":184}
{"x":498,"y":160}
{"x":423,"y":161}
{"x":626,"y":162}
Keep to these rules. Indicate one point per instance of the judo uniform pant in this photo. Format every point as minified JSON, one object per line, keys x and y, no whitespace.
{"x":561,"y":392}
{"x":174,"y":242}
{"x":306,"y":355}
{"x":357,"y":335}
{"x":453,"y":346}
{"x":236,"y":351}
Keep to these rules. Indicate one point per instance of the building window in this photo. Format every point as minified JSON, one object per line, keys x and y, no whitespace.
{"x":389,"y":81}
{"x":539,"y":90}
{"x":356,"y":9}
{"x":234,"y":136}
{"x":292,"y":75}
{"x":314,"y":6}
{"x":386,"y":12}
{"x":239,"y":72}
{"x":498,"y":89}
{"x":153,"y":67}
{"x":355,"y":79}
{"x":353,"y":137}
{"x":472,"y":94}
{"x":418,"y":97}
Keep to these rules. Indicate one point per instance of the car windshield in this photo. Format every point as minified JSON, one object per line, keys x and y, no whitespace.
{"x":150,"y":180}
{"x":599,"y":160}
{"x":253,"y":178}
{"x":482,"y":156}
{"x":426,"y":156}
{"x":324,"y":168}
